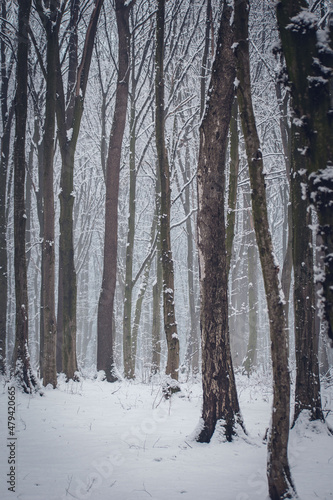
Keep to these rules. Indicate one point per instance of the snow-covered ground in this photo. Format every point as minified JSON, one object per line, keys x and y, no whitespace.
{"x":124,"y":441}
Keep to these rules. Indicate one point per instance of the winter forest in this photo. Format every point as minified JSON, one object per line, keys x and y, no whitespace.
{"x":166,"y":250}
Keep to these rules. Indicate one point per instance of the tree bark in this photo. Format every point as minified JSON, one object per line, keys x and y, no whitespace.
{"x":49,"y":330}
{"x":280,"y":483}
{"x":105,"y":356}
{"x":309,"y":64}
{"x":21,"y":359}
{"x":307,"y":387}
{"x":6,"y":116}
{"x":69,"y":114}
{"x":220,"y":400}
{"x":170,"y":324}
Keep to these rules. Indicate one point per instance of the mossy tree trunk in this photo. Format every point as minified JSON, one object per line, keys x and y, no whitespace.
{"x":280,"y":483}
{"x":105,"y":334}
{"x":220,"y":400}
{"x":21,"y":358}
{"x":170,"y":324}
{"x":309,"y":62}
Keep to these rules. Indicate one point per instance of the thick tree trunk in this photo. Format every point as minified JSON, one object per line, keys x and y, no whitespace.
{"x":280,"y":484}
{"x":170,"y":324}
{"x":4,"y":158}
{"x":21,"y":358}
{"x":105,"y":356}
{"x":220,"y":400}
{"x":307,"y":387}
{"x":310,"y":81}
{"x":48,"y":260}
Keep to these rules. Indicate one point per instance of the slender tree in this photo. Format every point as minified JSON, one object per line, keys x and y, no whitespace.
{"x":105,"y":334}
{"x":280,"y":483}
{"x":51,"y":20}
{"x":21,"y":358}
{"x":220,"y":400}
{"x":163,"y":169}
{"x":69,"y":110}
{"x":6,"y":116}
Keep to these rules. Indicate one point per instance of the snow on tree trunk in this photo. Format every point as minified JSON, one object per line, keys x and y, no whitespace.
{"x":280,"y":483}
{"x":220,"y":400}
{"x":170,"y":324}
{"x":21,"y":358}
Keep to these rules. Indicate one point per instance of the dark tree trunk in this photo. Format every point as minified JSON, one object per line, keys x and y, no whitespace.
{"x":170,"y":324}
{"x":205,"y":58}
{"x":307,"y":387}
{"x":6,"y":116}
{"x":69,"y":114}
{"x":280,"y":484}
{"x":49,"y":330}
{"x":220,"y":400}
{"x":105,"y":334}
{"x":310,"y":84}
{"x":21,"y":358}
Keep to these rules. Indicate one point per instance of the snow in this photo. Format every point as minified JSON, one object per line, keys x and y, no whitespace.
{"x":302,"y":22}
{"x":124,"y":441}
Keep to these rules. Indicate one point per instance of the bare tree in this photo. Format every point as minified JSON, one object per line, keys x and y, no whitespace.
{"x":51,"y":21}
{"x":163,"y":169}
{"x":280,"y":483}
{"x":7,"y":109}
{"x":105,"y":355}
{"x":220,"y":401}
{"x":21,"y":359}
{"x":69,"y":110}
{"x":309,"y":62}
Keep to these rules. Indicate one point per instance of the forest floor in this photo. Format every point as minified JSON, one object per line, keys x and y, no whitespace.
{"x":124,"y":441}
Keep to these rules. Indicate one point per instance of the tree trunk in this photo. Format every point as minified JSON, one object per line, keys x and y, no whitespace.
{"x":21,"y":358}
{"x":233,"y":180}
{"x":280,"y":484}
{"x":49,"y":331}
{"x":105,"y":356}
{"x":6,"y":116}
{"x":220,"y":400}
{"x":157,"y":289}
{"x":69,"y":115}
{"x":170,"y":324}
{"x":307,"y":387}
{"x":252,"y":273}
{"x":205,"y":58}
{"x":129,"y":362}
{"x":310,"y":82}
